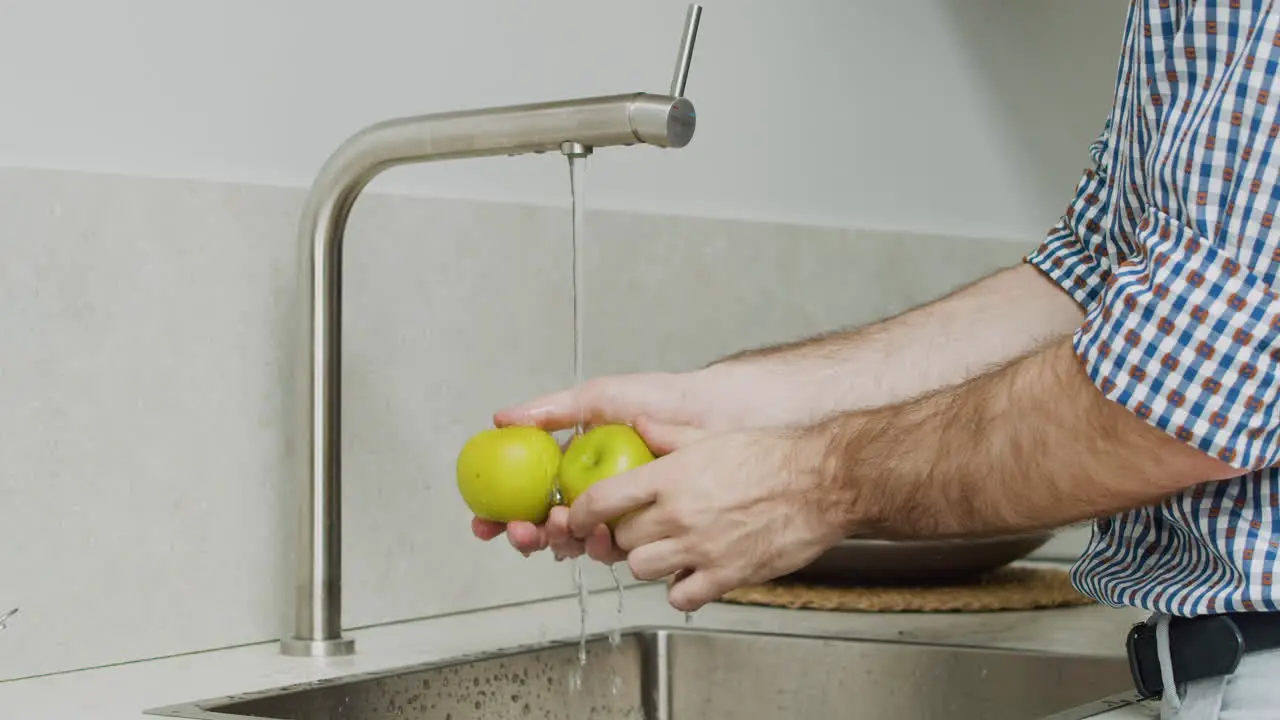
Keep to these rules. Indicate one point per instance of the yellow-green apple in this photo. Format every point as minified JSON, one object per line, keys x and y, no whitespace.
{"x":508,"y":474}
{"x":601,"y":452}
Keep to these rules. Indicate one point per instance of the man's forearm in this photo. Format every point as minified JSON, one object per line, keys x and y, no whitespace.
{"x":944,"y":342}
{"x":1031,"y":445}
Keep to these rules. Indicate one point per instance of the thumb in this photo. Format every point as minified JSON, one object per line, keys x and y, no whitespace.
{"x":615,"y":399}
{"x":664,"y":439}
{"x":549,"y":412}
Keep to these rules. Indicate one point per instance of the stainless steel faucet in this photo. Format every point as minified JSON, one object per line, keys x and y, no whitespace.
{"x":574,"y":127}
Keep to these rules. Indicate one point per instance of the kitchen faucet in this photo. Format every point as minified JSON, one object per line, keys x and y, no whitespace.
{"x":575,"y":128}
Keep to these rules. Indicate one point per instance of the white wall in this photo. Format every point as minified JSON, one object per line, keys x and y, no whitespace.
{"x":967,"y":117}
{"x":143,"y":454}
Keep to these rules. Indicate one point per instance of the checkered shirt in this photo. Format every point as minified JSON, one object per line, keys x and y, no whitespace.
{"x":1170,"y":246}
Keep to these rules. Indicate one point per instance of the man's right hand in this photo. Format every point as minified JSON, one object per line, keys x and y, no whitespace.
{"x":683,"y":399}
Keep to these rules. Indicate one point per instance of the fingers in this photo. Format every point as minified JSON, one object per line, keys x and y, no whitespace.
{"x":486,"y":529}
{"x":601,"y":548}
{"x":526,"y":537}
{"x":657,"y":560}
{"x":561,"y":541}
{"x":692,"y":592}
{"x":664,"y":439}
{"x":642,"y":527}
{"x":611,"y":498}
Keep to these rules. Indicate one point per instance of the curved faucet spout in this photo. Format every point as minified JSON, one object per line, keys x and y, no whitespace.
{"x":638,"y":118}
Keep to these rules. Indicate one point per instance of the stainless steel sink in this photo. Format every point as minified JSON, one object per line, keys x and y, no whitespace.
{"x":679,"y":674}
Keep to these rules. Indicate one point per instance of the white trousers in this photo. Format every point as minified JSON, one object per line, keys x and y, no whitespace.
{"x":1251,"y":693}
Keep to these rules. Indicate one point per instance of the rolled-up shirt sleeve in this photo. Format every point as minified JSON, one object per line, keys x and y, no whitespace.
{"x":1188,"y":338}
{"x":1075,"y":253}
{"x":1177,"y":328}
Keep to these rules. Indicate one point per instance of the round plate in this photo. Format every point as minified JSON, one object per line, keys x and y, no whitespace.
{"x":865,"y":561}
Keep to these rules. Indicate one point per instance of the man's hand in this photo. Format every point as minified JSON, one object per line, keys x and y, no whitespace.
{"x":738,"y":395}
{"x":718,"y":510}
{"x":677,"y":399}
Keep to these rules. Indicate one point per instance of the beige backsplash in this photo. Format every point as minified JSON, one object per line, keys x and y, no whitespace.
{"x":142,"y":430}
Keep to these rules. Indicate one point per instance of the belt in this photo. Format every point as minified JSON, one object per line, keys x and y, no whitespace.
{"x":1199,"y":647}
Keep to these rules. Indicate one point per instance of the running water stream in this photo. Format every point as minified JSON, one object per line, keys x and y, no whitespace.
{"x":577,"y":180}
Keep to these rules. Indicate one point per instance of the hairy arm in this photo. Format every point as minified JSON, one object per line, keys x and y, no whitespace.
{"x":938,"y":344}
{"x":1031,"y":445}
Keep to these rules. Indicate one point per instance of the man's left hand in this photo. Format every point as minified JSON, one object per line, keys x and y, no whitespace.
{"x":719,"y":511}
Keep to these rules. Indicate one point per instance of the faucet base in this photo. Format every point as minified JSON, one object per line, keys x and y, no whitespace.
{"x":337,"y":647}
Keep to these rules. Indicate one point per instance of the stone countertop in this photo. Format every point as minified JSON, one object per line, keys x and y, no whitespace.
{"x":124,"y":692}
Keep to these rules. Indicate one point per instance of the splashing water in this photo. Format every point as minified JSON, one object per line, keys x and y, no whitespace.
{"x":575,"y":680}
{"x":582,"y":609}
{"x":615,"y":633}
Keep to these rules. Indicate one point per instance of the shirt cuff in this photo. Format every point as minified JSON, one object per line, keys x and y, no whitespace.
{"x":1073,"y":254}
{"x":1188,"y":339}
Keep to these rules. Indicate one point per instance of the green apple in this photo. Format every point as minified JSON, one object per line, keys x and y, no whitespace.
{"x":508,"y":474}
{"x":601,"y":452}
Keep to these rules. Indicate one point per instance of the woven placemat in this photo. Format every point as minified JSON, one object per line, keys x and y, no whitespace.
{"x":1008,"y":588}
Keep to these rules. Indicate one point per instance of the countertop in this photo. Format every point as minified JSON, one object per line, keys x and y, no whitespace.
{"x":123,"y":692}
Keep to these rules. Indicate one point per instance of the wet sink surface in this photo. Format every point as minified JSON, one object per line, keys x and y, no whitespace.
{"x":672,"y":674}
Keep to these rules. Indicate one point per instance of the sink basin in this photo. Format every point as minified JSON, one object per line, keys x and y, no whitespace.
{"x":681,"y":674}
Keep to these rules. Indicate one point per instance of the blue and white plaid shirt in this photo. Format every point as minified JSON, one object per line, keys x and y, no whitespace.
{"x":1171,"y":246}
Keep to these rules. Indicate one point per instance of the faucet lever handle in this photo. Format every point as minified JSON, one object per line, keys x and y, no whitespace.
{"x":685,"y":58}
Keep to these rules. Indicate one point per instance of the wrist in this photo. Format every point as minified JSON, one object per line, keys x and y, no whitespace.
{"x":825,"y":454}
